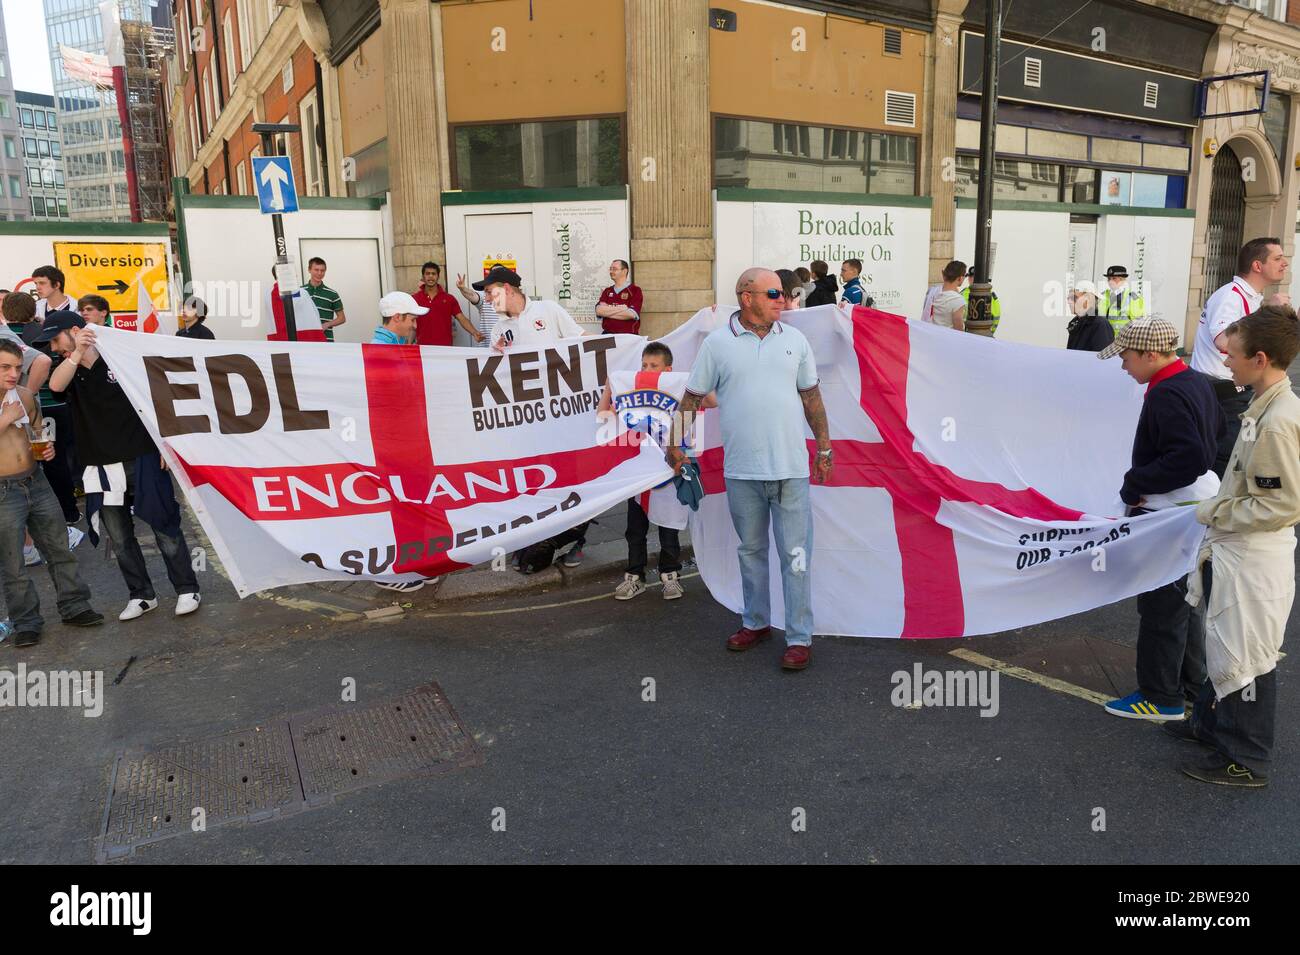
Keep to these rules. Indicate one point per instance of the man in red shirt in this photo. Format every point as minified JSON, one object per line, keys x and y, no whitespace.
{"x":619,"y":308}
{"x":434,"y":326}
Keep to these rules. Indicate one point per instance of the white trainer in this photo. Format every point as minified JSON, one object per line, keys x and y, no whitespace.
{"x":629,"y":588}
{"x":672,"y":586}
{"x":137,"y":608}
{"x":31,"y":556}
{"x":75,"y":536}
{"x":187,"y":603}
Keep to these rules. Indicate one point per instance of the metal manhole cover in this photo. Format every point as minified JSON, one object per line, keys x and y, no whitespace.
{"x":279,"y":768}
{"x":247,"y":774}
{"x":344,"y":749}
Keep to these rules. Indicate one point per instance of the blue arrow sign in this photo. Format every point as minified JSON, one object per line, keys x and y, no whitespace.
{"x":273,"y":176}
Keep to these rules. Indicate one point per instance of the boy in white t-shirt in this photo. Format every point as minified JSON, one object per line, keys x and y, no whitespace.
{"x":948,"y":307}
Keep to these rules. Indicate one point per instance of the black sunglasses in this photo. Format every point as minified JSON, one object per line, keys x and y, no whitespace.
{"x":772,"y":293}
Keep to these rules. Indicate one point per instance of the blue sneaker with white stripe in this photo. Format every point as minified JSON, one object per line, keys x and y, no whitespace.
{"x":1135,"y":706}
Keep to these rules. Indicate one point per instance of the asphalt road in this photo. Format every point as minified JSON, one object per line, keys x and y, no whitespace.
{"x":716,"y":768}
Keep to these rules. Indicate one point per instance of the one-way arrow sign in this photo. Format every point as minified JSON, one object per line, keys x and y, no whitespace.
{"x":119,"y":286}
{"x":276,"y":193}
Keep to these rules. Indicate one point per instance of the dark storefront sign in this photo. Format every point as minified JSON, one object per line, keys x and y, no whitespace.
{"x":1117,"y":29}
{"x":1048,"y":77}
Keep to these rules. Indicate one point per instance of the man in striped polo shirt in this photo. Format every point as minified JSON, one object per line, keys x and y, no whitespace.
{"x":328,"y":303}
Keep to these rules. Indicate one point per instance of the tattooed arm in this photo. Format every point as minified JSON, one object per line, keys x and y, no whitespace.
{"x":814,"y":409}
{"x":682,"y":423}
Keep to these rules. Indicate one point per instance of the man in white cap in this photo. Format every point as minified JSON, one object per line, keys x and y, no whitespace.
{"x":398,"y":312}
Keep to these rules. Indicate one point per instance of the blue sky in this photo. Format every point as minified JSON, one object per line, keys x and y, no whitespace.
{"x":29,"y":58}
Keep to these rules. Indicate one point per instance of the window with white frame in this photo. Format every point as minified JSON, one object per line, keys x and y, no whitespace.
{"x":308,"y":118}
{"x":228,"y":38}
{"x":182,"y":38}
{"x":241,"y":183}
{"x":286,"y":77}
{"x":207,"y":102}
{"x":244,"y":14}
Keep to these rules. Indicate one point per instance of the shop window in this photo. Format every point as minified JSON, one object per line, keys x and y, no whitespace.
{"x":1080,"y":185}
{"x":544,"y":155}
{"x":752,"y":154}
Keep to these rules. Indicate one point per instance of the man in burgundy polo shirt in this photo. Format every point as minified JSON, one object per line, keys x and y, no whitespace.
{"x":619,"y":308}
{"x":434,"y":326}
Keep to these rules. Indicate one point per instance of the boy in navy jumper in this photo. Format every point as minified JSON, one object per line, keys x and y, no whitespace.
{"x":1176,"y":441}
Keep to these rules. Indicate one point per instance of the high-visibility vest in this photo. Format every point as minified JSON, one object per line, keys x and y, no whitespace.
{"x":995,"y":308}
{"x":1122,"y":311}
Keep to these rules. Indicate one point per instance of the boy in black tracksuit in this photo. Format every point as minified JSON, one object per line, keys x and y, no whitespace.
{"x":1176,"y":442}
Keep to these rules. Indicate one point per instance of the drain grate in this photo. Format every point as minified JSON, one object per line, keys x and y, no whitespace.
{"x":280,"y":768}
{"x":249,"y":774}
{"x":341,"y":750}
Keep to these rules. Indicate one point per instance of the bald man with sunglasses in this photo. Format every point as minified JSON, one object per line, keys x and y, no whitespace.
{"x":765,"y":377}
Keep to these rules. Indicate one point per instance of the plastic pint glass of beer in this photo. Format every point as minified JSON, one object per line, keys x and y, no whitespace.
{"x":40,"y":438}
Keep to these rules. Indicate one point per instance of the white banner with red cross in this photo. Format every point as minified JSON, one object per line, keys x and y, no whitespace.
{"x":308,"y":462}
{"x":967,"y":470}
{"x":975,"y":482}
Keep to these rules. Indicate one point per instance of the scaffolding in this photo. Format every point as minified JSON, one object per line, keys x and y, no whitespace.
{"x":145,"y":48}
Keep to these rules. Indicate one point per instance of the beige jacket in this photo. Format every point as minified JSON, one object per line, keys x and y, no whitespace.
{"x":1261,"y":488}
{"x":1252,"y":543}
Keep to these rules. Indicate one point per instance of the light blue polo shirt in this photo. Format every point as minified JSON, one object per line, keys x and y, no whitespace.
{"x":758,"y":381}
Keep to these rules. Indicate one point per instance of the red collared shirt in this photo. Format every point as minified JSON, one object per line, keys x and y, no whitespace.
{"x":434,"y":327}
{"x":629,"y":297}
{"x":1171,"y":369}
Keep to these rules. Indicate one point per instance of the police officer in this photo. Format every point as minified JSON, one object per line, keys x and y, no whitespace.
{"x":995,"y":307}
{"x":1120,"y":304}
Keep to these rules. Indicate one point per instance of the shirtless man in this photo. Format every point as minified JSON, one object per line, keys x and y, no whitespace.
{"x":26,"y":501}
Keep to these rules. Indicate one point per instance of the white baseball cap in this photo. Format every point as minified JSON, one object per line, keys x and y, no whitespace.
{"x":400,"y":303}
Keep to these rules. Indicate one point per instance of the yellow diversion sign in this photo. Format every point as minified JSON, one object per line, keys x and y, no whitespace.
{"x":114,"y":270}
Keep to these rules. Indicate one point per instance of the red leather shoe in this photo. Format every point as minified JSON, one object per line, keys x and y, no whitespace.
{"x":796,"y":658}
{"x":744,"y":638}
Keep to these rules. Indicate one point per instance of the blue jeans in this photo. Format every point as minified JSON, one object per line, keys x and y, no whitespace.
{"x":30,"y":503}
{"x":787,"y":506}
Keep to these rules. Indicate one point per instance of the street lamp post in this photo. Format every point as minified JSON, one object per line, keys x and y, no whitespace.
{"x":979,"y":319}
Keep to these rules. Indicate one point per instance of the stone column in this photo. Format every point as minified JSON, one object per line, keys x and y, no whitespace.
{"x":942,"y":154}
{"x":414,"y":168}
{"x":669,"y":166}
